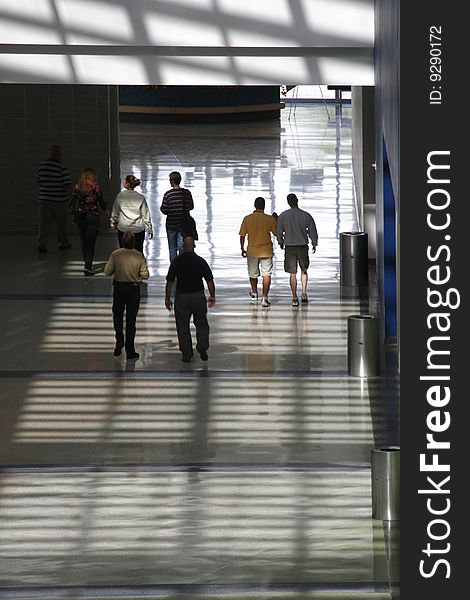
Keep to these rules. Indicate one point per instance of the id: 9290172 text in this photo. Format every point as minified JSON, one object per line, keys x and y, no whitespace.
{"x":435,"y":64}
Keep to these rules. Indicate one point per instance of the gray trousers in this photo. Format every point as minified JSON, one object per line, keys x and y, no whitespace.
{"x":50,"y":212}
{"x":195,"y":305}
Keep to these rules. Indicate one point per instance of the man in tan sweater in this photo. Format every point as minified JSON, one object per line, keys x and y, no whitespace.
{"x":129,"y":267}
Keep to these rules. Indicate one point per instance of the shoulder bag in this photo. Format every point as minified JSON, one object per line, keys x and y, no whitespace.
{"x":188,"y":226}
{"x":76,"y":206}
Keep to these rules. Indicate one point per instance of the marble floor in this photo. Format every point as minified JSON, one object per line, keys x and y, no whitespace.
{"x":247,"y":476}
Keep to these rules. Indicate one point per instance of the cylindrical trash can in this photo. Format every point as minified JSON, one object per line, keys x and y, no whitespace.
{"x":363,"y":346}
{"x":354,"y":259}
{"x":385,"y":474}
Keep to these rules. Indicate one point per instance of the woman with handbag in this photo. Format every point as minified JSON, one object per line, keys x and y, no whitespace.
{"x":88,"y":198}
{"x":131,"y":213}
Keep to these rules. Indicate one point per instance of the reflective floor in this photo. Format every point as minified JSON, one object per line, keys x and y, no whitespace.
{"x":244,"y":477}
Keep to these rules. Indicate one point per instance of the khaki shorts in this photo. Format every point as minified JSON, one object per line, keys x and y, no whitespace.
{"x":255,"y":265}
{"x":296,"y":255}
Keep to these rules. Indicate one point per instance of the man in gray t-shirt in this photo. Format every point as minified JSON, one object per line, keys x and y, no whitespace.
{"x":294,"y":228}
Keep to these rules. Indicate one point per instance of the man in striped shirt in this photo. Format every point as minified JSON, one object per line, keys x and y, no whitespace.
{"x":54,"y":192}
{"x":176,"y":204}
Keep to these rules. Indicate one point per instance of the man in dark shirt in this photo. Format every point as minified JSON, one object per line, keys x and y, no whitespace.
{"x":176,"y":204}
{"x":189,"y":270}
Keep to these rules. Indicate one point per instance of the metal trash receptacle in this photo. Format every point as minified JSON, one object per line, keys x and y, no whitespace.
{"x":385,"y":476}
{"x":354,"y":259}
{"x":363,"y":346}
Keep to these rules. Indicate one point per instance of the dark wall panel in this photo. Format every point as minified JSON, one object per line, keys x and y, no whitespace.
{"x":81,"y":119}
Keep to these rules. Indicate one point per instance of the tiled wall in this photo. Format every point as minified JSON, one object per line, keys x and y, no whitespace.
{"x":82,"y":119}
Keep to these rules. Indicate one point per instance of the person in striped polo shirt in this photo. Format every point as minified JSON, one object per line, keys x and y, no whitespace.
{"x":176,"y":204}
{"x":54,"y":193}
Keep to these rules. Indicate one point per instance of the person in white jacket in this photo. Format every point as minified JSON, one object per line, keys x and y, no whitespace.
{"x":131,"y":213}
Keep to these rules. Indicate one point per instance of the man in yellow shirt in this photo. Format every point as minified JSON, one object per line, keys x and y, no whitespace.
{"x":258,"y":226}
{"x":128,"y":267}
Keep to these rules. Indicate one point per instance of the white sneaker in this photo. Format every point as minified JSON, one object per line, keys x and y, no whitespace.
{"x":254,"y":297}
{"x":265,"y":303}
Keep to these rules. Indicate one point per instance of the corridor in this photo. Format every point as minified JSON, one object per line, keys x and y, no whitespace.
{"x":247,"y":476}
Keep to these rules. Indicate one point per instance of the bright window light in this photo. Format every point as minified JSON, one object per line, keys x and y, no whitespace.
{"x":332,"y":70}
{"x":41,"y":9}
{"x":161,"y":30}
{"x":207,"y":70}
{"x":271,"y":70}
{"x":242,"y":38}
{"x":110,"y":69}
{"x":262,"y":11}
{"x":30,"y":68}
{"x":201,"y":6}
{"x":96,"y":17}
{"x":343,"y":20}
{"x":15,"y":32}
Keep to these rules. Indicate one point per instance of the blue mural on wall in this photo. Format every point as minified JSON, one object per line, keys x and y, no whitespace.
{"x":389,"y":251}
{"x":197,"y":95}
{"x":198,"y":103}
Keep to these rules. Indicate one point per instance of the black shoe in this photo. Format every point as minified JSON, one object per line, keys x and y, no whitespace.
{"x":88,"y":272}
{"x":118,"y":351}
{"x":42,"y":249}
{"x":203,"y":355}
{"x":65,"y":246}
{"x":186,"y":358}
{"x":132,"y":355}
